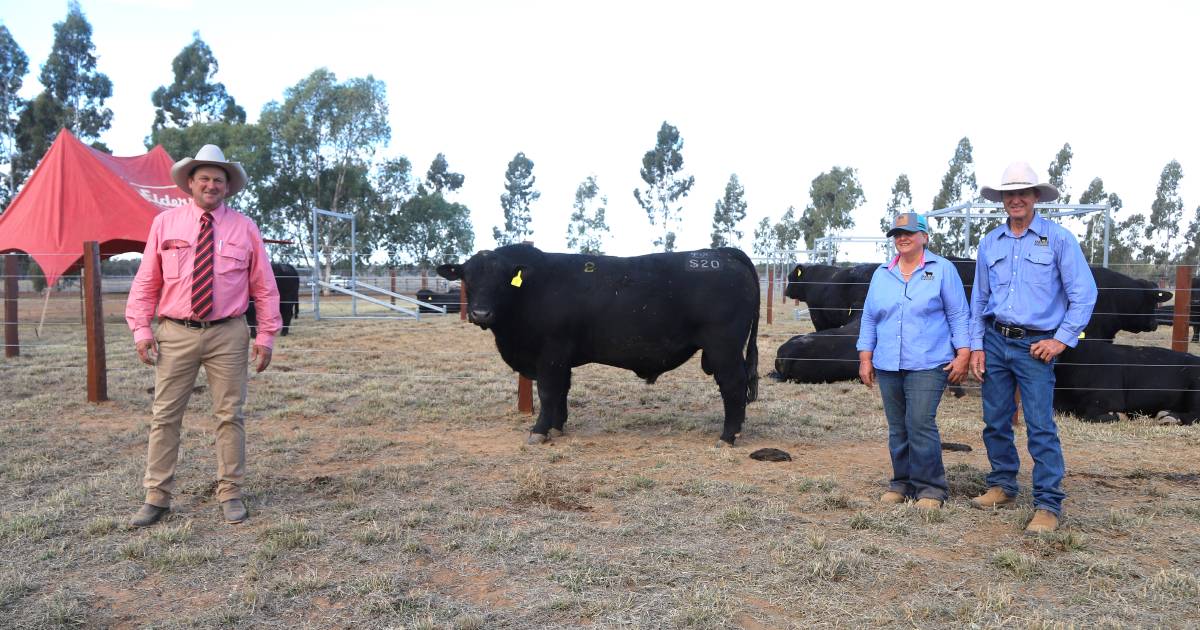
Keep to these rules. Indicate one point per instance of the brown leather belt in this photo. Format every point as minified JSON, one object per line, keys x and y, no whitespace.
{"x":191,"y":323}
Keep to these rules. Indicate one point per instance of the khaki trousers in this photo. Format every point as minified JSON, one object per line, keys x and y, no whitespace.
{"x":223,"y":351}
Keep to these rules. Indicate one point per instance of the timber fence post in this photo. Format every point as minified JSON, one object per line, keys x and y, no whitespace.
{"x":12,"y":342}
{"x":97,"y":369}
{"x":1183,"y":302}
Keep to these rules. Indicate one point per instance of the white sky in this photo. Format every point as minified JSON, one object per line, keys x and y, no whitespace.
{"x":776,"y":92}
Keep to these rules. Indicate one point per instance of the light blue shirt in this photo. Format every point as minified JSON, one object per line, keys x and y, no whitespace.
{"x":914,"y":325}
{"x":1039,"y":280}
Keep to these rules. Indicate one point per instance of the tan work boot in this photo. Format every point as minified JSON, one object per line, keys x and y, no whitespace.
{"x":1044,"y":522}
{"x":993,"y":498}
{"x":891,"y":497}
{"x":929,"y":504}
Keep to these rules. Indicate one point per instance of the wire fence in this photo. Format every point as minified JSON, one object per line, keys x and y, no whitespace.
{"x":113,"y":304}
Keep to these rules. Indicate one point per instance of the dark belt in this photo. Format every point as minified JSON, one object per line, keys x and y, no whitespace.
{"x":191,"y":323}
{"x":1017,"y":332}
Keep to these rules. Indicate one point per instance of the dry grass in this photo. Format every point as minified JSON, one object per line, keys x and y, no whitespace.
{"x":389,"y":485}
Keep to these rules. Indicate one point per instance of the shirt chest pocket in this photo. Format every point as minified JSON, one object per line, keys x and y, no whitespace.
{"x":1039,"y":267}
{"x":999,"y":270}
{"x":173,"y":260}
{"x":232,"y":258}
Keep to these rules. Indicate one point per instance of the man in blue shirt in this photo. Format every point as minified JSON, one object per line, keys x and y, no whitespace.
{"x":1032,"y":298}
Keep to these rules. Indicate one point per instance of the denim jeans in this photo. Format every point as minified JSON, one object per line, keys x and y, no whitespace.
{"x":910,"y":401}
{"x":1008,"y":365}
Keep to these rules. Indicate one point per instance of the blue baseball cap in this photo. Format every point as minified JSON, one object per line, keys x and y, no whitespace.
{"x":908,"y":222}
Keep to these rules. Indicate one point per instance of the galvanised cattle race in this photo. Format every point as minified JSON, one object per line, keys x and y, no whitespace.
{"x":288,"y":281}
{"x":649,"y":314}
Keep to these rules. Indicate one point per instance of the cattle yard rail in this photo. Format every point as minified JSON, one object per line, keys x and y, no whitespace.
{"x":1048,"y":210}
{"x":355,"y":294}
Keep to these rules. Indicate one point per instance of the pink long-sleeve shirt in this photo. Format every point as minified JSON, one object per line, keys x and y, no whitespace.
{"x":241,"y":269}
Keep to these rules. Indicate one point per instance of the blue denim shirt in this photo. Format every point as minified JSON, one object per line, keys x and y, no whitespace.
{"x":914,"y":325}
{"x":1039,"y":280}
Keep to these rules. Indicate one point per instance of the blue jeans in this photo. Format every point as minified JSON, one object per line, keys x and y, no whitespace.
{"x":910,"y":401}
{"x":1008,"y":365}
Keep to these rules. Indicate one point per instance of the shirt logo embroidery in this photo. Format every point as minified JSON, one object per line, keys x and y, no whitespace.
{"x":1042,"y":242}
{"x":928,"y":276}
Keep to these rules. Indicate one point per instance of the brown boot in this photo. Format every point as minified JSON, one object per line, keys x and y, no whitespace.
{"x":929,"y":504}
{"x":148,"y":515}
{"x":993,"y":498}
{"x":891,"y":497}
{"x":1044,"y":522}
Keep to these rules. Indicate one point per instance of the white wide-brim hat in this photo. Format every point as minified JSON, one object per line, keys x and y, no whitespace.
{"x":209,"y":155}
{"x":1019,"y":176}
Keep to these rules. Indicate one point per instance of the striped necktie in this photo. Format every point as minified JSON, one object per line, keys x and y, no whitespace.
{"x":202,"y":270}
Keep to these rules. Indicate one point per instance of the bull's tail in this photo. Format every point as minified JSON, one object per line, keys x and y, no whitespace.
{"x":751,"y":343}
{"x":752,"y":360}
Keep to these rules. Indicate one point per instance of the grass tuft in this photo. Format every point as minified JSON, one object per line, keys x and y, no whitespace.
{"x":1172,"y":584}
{"x":1018,"y":564}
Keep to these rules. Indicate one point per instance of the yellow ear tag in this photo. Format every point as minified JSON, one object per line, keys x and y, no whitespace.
{"x":516,"y":281}
{"x":1082,"y":335}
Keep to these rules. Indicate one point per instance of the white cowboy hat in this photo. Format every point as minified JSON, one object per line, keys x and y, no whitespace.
{"x":1019,"y":176}
{"x":209,"y":155}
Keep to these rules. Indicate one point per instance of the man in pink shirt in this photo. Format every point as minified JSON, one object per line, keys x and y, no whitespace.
{"x":203,"y":262}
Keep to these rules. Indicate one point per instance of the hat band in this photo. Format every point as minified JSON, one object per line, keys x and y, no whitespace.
{"x":1019,"y":183}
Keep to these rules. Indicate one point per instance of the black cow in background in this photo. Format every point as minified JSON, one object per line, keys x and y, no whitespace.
{"x":1123,"y":303}
{"x":288,"y":281}
{"x":649,"y":314}
{"x":1097,"y":380}
{"x":451,"y":300}
{"x":834,"y":295}
{"x":825,"y":356}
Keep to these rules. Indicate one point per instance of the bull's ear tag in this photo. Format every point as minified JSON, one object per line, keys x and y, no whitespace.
{"x":516,"y":281}
{"x":1082,"y":335}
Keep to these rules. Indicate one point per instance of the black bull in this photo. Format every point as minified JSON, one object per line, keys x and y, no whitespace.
{"x":288,"y":281}
{"x":649,"y":314}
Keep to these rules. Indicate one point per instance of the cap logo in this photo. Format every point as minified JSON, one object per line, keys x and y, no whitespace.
{"x":902,"y":219}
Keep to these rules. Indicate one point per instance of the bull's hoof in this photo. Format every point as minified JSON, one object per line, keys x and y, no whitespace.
{"x":556,"y":433}
{"x":537,"y":438}
{"x":724,"y":444}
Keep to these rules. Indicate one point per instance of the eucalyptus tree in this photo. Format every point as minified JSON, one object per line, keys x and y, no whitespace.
{"x":74,"y":95}
{"x":833,"y":196}
{"x":519,"y":194}
{"x":587,"y":227}
{"x":323,"y":140}
{"x":14,"y":64}
{"x":1166,"y":215}
{"x":958,"y":185}
{"x":195,"y":96}
{"x":440,"y":179}
{"x":664,"y":184}
{"x":730,"y":210}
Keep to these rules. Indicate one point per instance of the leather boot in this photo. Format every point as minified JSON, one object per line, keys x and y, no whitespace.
{"x":1044,"y":521}
{"x":234,"y":511}
{"x":148,"y":515}
{"x":891,"y":497}
{"x":993,"y":498}
{"x":929,"y":504}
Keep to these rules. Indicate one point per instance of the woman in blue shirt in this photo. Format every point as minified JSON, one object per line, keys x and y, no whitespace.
{"x":914,"y":337}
